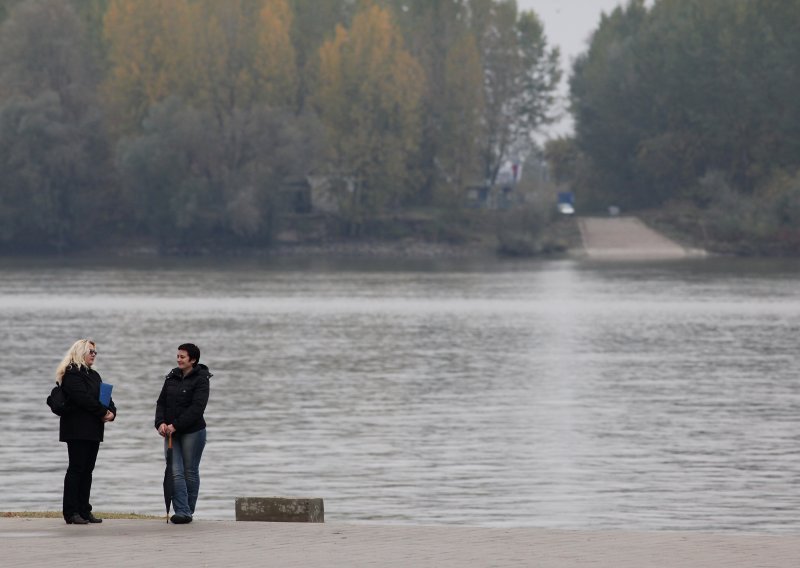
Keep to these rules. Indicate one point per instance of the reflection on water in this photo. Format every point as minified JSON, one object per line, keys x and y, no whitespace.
{"x":558,"y":394}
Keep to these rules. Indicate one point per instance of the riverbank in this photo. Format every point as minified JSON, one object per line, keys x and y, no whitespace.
{"x":565,"y":236}
{"x":741,"y":231}
{"x":482,"y":238}
{"x":406,"y":249}
{"x":123,"y":543}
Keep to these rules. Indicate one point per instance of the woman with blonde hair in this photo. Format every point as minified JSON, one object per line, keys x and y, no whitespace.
{"x":81,"y":427}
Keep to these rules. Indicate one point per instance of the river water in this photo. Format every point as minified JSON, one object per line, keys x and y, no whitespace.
{"x":560,"y":394}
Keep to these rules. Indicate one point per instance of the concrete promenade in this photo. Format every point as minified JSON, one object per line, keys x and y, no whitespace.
{"x":120,"y":543}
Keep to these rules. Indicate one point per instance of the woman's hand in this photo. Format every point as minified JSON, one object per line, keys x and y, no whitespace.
{"x":109,"y":417}
{"x":166,"y":429}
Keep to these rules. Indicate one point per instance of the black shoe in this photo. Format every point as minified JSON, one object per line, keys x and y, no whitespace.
{"x":76,"y":519}
{"x":180,"y":519}
{"x":91,"y":518}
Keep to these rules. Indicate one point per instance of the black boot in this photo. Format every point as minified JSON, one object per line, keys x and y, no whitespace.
{"x":91,"y":518}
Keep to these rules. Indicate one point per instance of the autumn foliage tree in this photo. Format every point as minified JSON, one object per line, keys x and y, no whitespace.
{"x":491,"y":79}
{"x":219,"y":96}
{"x":314,"y":23}
{"x":190,"y":115}
{"x":276,"y":62}
{"x":368,"y":95}
{"x":241,"y":55}
{"x":149,"y":47}
{"x":462,"y":114}
{"x":438,"y":35}
{"x":220,"y":55}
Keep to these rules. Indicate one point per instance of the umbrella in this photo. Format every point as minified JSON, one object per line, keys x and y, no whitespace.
{"x":169,"y":483}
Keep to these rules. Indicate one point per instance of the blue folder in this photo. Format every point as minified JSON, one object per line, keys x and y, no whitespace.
{"x":105,"y":394}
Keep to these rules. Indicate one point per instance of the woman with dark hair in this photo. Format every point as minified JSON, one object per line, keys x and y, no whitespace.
{"x":81,"y":427}
{"x":179,"y":413}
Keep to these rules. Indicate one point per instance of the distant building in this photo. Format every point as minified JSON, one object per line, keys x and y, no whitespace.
{"x":294,"y":195}
{"x":504,"y":194}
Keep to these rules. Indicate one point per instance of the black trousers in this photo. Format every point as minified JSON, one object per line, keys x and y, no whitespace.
{"x":78,"y":481}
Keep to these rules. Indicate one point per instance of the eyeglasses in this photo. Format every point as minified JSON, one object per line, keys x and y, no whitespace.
{"x":92,"y":352}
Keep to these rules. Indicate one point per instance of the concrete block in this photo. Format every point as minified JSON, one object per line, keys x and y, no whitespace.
{"x":280,"y":510}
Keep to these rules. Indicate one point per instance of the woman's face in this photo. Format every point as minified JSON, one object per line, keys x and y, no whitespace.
{"x":90,"y":355}
{"x":184,"y":363}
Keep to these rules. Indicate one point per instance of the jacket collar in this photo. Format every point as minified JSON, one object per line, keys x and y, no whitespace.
{"x":199,"y":369}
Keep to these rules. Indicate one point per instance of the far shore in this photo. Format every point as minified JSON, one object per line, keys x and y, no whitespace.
{"x":565,"y":238}
{"x":411,"y":249}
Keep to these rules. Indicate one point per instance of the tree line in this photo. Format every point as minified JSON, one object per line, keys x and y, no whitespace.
{"x":177,"y":121}
{"x":692,"y":102}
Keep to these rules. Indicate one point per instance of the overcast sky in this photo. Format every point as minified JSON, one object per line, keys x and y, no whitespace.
{"x":568,"y":24}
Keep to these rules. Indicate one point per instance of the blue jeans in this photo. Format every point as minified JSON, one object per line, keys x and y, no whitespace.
{"x":187,"y":449}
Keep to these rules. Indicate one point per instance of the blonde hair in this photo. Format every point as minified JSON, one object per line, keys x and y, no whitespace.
{"x":76,"y":355}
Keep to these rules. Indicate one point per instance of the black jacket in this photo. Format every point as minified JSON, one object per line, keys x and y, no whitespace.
{"x":83,"y":419}
{"x":183,"y":400}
